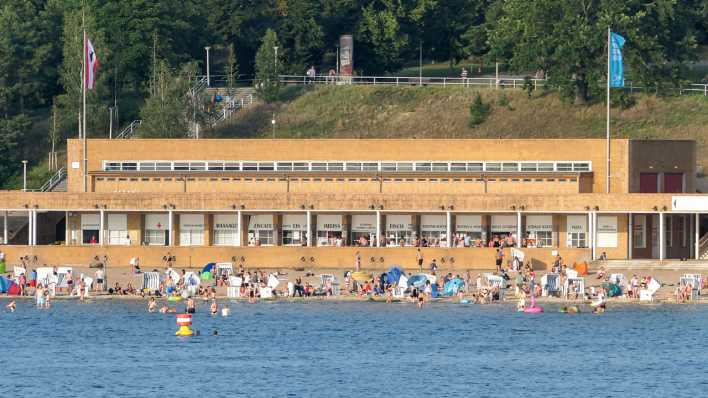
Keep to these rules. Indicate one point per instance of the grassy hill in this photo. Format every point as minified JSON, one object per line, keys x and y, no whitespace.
{"x":429,"y":112}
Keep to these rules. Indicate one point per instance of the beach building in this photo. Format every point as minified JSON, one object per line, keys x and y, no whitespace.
{"x":316,"y":203}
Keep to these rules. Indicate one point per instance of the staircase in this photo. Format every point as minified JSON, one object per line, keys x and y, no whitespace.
{"x":703,"y":248}
{"x":129,"y":130}
{"x":649,"y":264}
{"x":55,"y":183}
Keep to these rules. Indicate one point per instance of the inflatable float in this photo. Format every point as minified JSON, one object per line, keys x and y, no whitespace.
{"x":174,"y":298}
{"x":533,"y":309}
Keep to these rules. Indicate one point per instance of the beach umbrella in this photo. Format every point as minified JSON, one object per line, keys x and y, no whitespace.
{"x":394,"y":274}
{"x":417,"y":280}
{"x":209,"y":267}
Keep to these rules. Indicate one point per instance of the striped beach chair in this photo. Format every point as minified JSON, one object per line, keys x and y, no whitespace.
{"x":575,"y":285}
{"x":151,"y":281}
{"x":550,"y":283}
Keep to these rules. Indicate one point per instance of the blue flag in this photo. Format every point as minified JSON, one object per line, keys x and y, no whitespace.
{"x":616,"y":66}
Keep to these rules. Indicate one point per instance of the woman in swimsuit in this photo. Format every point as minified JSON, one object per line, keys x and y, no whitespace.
{"x":152,"y":305}
{"x":190,"y":306}
{"x":214,"y":307}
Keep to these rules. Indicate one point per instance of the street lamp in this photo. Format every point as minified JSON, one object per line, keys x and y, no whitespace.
{"x":24,"y":176}
{"x":272,"y":122}
{"x":337,"y":59}
{"x":275,"y":59}
{"x":207,"y":48}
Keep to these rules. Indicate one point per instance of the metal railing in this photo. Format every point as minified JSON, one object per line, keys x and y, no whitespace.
{"x":703,"y":246}
{"x":492,"y":82}
{"x":488,"y":82}
{"x":129,"y":130}
{"x":233,"y":107}
{"x":53,"y":180}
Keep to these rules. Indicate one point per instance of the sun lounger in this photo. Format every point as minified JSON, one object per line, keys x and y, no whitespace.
{"x":651,"y":289}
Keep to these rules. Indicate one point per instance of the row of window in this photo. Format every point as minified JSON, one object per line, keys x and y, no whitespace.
{"x":340,"y":166}
{"x":179,"y":179}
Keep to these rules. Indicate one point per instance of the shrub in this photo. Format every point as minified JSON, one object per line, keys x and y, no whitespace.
{"x":479,"y":111}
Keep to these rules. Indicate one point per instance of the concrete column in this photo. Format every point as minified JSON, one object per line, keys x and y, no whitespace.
{"x":239,"y":222}
{"x":449,"y":229}
{"x":101,"y":226}
{"x":34,"y":227}
{"x":67,"y":238}
{"x":169,"y":228}
{"x":630,"y":235}
{"x":309,"y":228}
{"x":661,"y":236}
{"x":591,"y":224}
{"x":4,"y":228}
{"x":518,"y":229}
{"x":697,"y":237}
{"x":29,"y":227}
{"x":378,"y":229}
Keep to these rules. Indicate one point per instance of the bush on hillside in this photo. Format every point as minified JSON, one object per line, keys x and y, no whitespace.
{"x":479,"y":111}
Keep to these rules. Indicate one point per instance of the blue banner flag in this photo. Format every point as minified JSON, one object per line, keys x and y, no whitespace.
{"x":616,"y":66}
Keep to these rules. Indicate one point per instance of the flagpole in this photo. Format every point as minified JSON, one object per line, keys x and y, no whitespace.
{"x":83,"y":89}
{"x":609,"y":54}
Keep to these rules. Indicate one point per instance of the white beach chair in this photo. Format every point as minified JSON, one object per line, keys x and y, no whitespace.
{"x":698,"y":279}
{"x":234,"y":288}
{"x":151,"y":281}
{"x":496,"y":281}
{"x":579,"y":287}
{"x":617,"y":279}
{"x":648,"y":293}
{"x":693,"y":282}
{"x":332,"y":280}
{"x":224,"y":268}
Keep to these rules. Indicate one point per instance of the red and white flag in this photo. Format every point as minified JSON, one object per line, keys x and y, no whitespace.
{"x":91,"y":65}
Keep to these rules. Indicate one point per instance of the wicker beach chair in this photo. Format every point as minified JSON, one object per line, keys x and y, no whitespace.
{"x":577,"y":285}
{"x":550,"y":284}
{"x":151,"y":281}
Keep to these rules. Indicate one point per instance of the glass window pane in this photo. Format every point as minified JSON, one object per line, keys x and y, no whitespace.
{"x":422,"y":167}
{"x":474,"y":166}
{"x":564,"y":167}
{"x":301,"y":166}
{"x":404,"y":166}
{"x":318,"y":166}
{"x":353,"y":166}
{"x":112,"y":166}
{"x":285,"y":166}
{"x":581,"y":167}
{"x":529,"y":167}
{"x":181,"y":166}
{"x":493,"y":167}
{"x":439,"y":166}
{"x":265,"y":166}
{"x":250,"y":166}
{"x":335,"y":166}
{"x":197,"y":166}
{"x":388,"y":166}
{"x":130,"y":166}
{"x":163,"y":166}
{"x":216,"y":166}
{"x":458,"y":167}
{"x":370,"y":166}
{"x":545,"y":167}
{"x":232,"y":166}
{"x":147,"y":166}
{"x":510,"y":167}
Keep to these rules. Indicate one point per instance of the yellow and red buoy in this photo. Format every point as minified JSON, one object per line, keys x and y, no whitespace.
{"x":184,"y":321}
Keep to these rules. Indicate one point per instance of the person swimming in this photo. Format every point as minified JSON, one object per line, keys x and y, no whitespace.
{"x":190,"y":307}
{"x":214,"y":307}
{"x":226,"y":311}
{"x":11,"y":306}
{"x":152,"y":305}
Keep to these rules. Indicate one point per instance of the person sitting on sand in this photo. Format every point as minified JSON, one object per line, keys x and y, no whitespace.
{"x":152,"y":304}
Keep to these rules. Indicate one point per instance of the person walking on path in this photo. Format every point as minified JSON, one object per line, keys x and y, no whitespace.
{"x":357,"y":261}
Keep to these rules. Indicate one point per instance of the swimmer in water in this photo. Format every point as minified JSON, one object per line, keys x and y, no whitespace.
{"x":167,"y":310}
{"x":11,"y":306}
{"x":421,"y":300}
{"x":190,"y":307}
{"x":214,"y":307}
{"x":152,"y":305}
{"x":226,"y":311}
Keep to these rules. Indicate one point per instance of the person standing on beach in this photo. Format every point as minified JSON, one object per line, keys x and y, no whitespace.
{"x":419,"y":259}
{"x":99,"y":280}
{"x":357,"y":261}
{"x":500,"y":259}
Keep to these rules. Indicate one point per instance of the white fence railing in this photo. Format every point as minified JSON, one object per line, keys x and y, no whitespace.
{"x":129,"y":130}
{"x":489,"y":82}
{"x":513,"y":82}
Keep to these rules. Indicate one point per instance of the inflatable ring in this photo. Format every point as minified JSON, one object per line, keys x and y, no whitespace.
{"x":174,"y":298}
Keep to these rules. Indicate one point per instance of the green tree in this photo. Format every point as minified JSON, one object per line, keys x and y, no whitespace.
{"x":302,"y":35}
{"x":11,"y":129}
{"x":381,"y":37}
{"x":567,"y":39}
{"x":267,"y":83}
{"x":167,"y":113}
{"x":231,"y":70}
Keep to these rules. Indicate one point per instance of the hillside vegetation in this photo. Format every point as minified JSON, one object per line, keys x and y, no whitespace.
{"x":431,"y":112}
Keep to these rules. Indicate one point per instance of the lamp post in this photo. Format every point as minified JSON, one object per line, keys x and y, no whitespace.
{"x":275,"y":60}
{"x":207,"y":48}
{"x":272,"y":122}
{"x":24,"y":176}
{"x":337,"y":59}
{"x":110,"y":122}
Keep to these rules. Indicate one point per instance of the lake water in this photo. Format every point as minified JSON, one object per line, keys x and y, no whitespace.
{"x":353,"y":349}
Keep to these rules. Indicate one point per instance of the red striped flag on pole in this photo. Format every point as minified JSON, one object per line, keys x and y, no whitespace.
{"x":91,"y":65}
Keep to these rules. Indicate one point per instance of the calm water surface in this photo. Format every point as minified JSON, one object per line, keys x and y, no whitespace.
{"x":353,"y":349}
